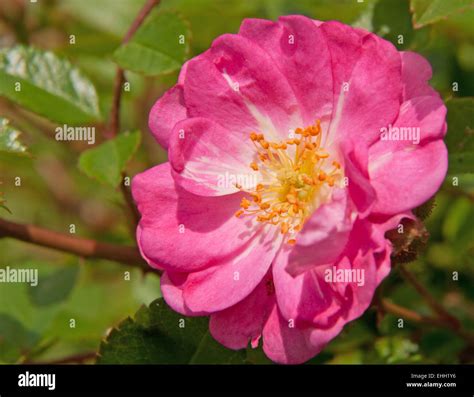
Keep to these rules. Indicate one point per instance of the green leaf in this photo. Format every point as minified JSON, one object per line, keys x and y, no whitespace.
{"x":14,"y":338}
{"x":54,"y":288}
{"x":158,"y":335}
{"x":116,"y":21}
{"x":457,"y":226}
{"x":22,"y":323}
{"x":107,"y":161}
{"x":47,"y":85}
{"x":10,"y":145}
{"x":159,"y":46}
{"x":429,"y":11}
{"x":350,"y":357}
{"x":460,"y":136}
{"x":442,"y":345}
{"x":211,"y":352}
{"x":9,"y":138}
{"x":397,"y":349}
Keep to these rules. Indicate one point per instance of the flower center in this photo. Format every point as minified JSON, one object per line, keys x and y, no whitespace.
{"x":297,"y":176}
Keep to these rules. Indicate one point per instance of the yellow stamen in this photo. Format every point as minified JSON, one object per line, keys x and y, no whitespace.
{"x":296,"y":180}
{"x":245,"y":204}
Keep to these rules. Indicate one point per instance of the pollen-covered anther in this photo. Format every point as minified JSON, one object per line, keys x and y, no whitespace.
{"x":245,"y":204}
{"x":295,"y":180}
{"x":291,"y":199}
{"x":307,"y":180}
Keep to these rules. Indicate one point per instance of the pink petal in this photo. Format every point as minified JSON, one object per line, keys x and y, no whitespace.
{"x":404,"y":174}
{"x":233,"y":279}
{"x":324,"y":235}
{"x":356,"y":171}
{"x":416,"y":72}
{"x":179,"y":230}
{"x":172,"y":291}
{"x":409,"y":179}
{"x":298,"y":48}
{"x":300,"y":297}
{"x":369,"y":251}
{"x":236,"y":85}
{"x":287,"y":345}
{"x":148,"y":260}
{"x":372,"y":67}
{"x":312,"y":297}
{"x":165,"y":113}
{"x":426,"y":113}
{"x":384,"y":250}
{"x":242,"y":323}
{"x":209,"y":160}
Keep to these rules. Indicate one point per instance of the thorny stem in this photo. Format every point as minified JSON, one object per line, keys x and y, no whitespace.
{"x":408,"y":314}
{"x":114,"y":121}
{"x":430,"y":299}
{"x":79,"y":246}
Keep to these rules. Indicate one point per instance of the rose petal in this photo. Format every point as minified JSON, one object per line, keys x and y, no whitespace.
{"x":242,"y":323}
{"x":165,"y":113}
{"x":367,"y":84}
{"x":209,"y":160}
{"x":226,"y":284}
{"x":179,"y":230}
{"x":299,"y":49}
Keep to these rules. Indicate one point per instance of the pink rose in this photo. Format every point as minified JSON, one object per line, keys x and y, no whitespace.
{"x":293,"y":147}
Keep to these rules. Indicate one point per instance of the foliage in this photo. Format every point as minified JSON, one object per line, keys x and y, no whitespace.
{"x":70,"y":79}
{"x":158,"y":335}
{"x":106,"y":162}
{"x":159,"y":46}
{"x":9,"y":138}
{"x":47,"y":85}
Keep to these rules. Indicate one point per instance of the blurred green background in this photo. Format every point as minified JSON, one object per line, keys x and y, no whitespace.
{"x":54,"y":193}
